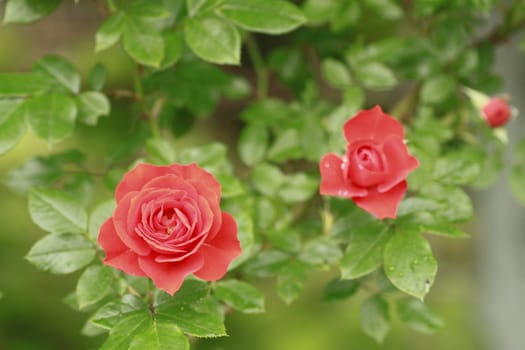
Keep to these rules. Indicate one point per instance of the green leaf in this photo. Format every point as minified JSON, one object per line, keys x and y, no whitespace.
{"x":418,"y":316}
{"x":97,"y":76}
{"x":147,"y":9}
{"x":375,"y":318}
{"x":27,"y":11}
{"x":240,"y":295}
{"x":286,"y":146}
{"x":160,"y":335}
{"x":160,"y":151}
{"x":376,"y":76}
{"x":213,"y":39}
{"x":364,"y":252}
{"x":267,"y":178}
{"x":191,"y":292}
{"x":437,"y":89}
{"x":61,"y":253}
{"x":409,"y":263}
{"x":266,"y":263}
{"x":126,"y":329}
{"x":200,"y":320}
{"x":92,"y":105}
{"x":291,"y":280}
{"x":173,"y":50}
{"x":143,"y":42}
{"x":339,"y":289}
{"x":60,"y":70}
{"x":56,"y":212}
{"x":52,"y":116}
{"x":12,"y":124}
{"x":253,"y":143}
{"x":264,"y":16}
{"x":286,"y":239}
{"x":100,"y":213}
{"x":387,"y":9}
{"x":110,"y":313}
{"x":93,"y":285}
{"x":110,"y":31}
{"x":444,"y":229}
{"x":336,"y":73}
{"x":321,"y":250}
{"x":298,"y":188}
{"x":23,"y":84}
{"x":200,"y":6}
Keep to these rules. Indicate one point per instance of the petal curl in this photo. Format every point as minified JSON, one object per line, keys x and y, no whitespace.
{"x":399,"y":163}
{"x":169,"y":276}
{"x":333,"y":181}
{"x":126,"y":230}
{"x":109,"y":240}
{"x":137,"y":177}
{"x":201,"y":179}
{"x":220,"y":251}
{"x":382,"y":204}
{"x":127,"y":262}
{"x":372,"y":124}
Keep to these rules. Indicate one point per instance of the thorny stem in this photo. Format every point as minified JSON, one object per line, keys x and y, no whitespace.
{"x":258,"y":65}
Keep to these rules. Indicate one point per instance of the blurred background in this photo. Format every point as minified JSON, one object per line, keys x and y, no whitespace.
{"x":479,"y":290}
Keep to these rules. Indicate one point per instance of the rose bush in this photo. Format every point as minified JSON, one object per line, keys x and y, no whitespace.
{"x":373,"y":170}
{"x":496,"y":112}
{"x":168,"y":224}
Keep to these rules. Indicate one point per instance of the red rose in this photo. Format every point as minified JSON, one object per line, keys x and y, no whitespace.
{"x":373,"y":171}
{"x":496,"y":112}
{"x":168,"y":224}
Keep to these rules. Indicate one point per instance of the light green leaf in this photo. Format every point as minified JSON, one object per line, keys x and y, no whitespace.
{"x":444,"y":229}
{"x":161,"y":151}
{"x":27,"y":11}
{"x":375,"y":318}
{"x":435,"y":90}
{"x":110,"y":313}
{"x":286,"y":146}
{"x":148,"y":9}
{"x":51,"y":116}
{"x":56,"y":212}
{"x":93,"y":285}
{"x":409,"y":263}
{"x":97,"y":76}
{"x":267,"y":178}
{"x":266,"y":263}
{"x":200,"y":6}
{"x":101,"y":213}
{"x":336,"y":73}
{"x":109,"y":32}
{"x":264,"y":16}
{"x":286,"y":239}
{"x":340,"y":289}
{"x":376,"y":76}
{"x":321,"y":250}
{"x":162,"y":334}
{"x":126,"y":329}
{"x":60,"y":70}
{"x":240,"y":295}
{"x":418,"y":316}
{"x":253,"y":142}
{"x":364,"y":253}
{"x":23,"y":84}
{"x":61,"y":253}
{"x":92,"y":105}
{"x":298,"y":187}
{"x":173,"y":50}
{"x":213,"y":39}
{"x":143,"y":42}
{"x":291,"y":280}
{"x":12,"y":124}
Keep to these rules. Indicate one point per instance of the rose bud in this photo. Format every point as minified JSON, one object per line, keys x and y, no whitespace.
{"x":496,"y":112}
{"x":373,"y":170}
{"x":168,"y":224}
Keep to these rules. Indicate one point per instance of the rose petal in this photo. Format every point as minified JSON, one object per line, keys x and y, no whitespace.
{"x":333,"y":181}
{"x":127,"y":262}
{"x":200,"y":178}
{"x":109,"y":240}
{"x":382,"y":205}
{"x":125,"y":230}
{"x":137,"y":177}
{"x":169,"y":276}
{"x":219,"y":252}
{"x":398,"y":163}
{"x":372,"y":124}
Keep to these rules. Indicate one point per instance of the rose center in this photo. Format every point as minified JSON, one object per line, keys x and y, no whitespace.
{"x":369,"y":158}
{"x":364,"y":165}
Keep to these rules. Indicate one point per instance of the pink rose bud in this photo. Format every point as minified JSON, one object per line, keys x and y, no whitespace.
{"x":496,"y":112}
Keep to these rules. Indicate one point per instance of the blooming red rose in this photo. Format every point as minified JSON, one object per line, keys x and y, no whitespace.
{"x":373,"y":170}
{"x":168,"y":224}
{"x":496,"y":112}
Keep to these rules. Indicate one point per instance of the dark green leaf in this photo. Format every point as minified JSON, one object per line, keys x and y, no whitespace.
{"x":240,"y":295}
{"x":12,"y":124}
{"x":126,"y":329}
{"x":173,"y":50}
{"x":253,"y":143}
{"x":108,"y":315}
{"x":291,"y":280}
{"x":26,"y":11}
{"x":92,"y":105}
{"x":387,"y":9}
{"x":94,"y":284}
{"x":375,"y":318}
{"x":143,"y":42}
{"x":264,"y":16}
{"x":418,"y":316}
{"x":213,"y":39}
{"x":61,"y":253}
{"x":338,"y":289}
{"x":56,"y":212}
{"x":23,"y":84}
{"x":60,"y":70}
{"x":336,"y":73}
{"x":97,"y":76}
{"x":364,"y":253}
{"x":409,"y":263}
{"x":52,"y":116}
{"x":191,"y":292}
{"x":444,"y":229}
{"x":161,"y":334}
{"x":109,"y":32}
{"x":149,"y":9}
